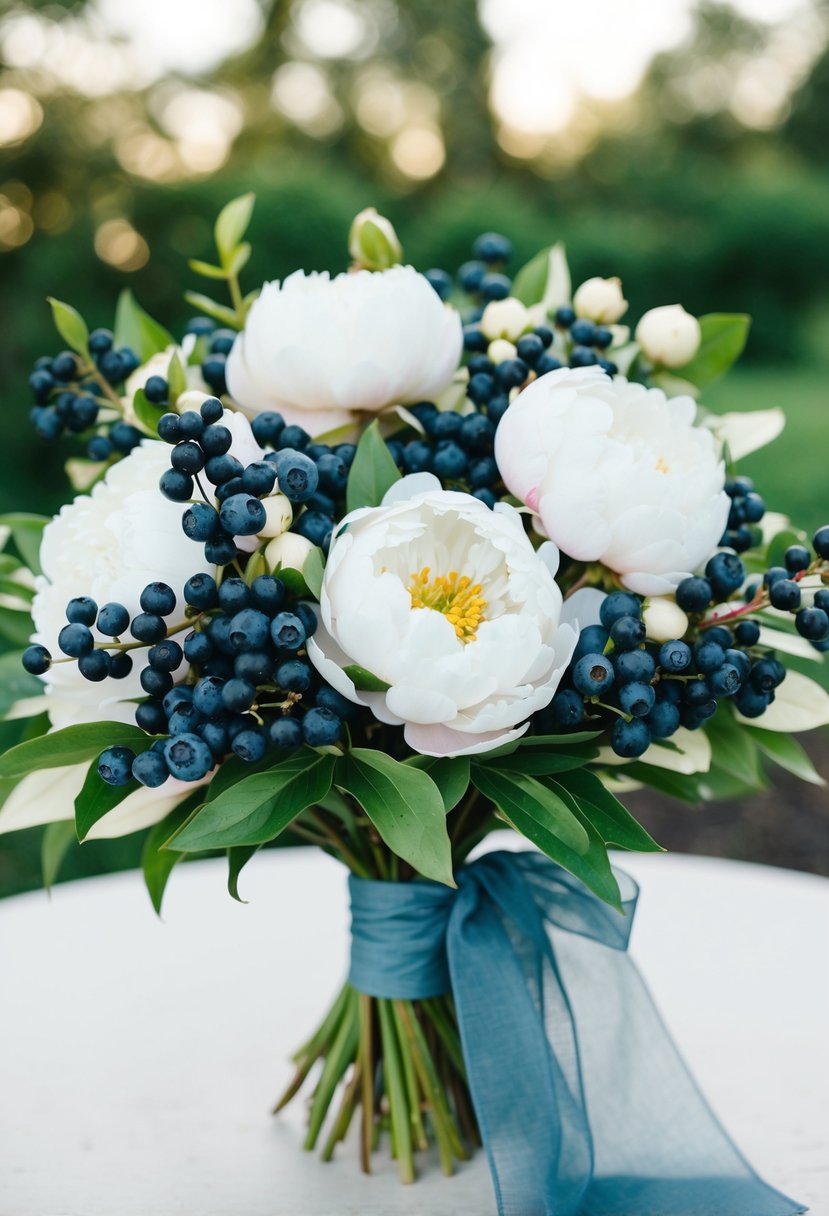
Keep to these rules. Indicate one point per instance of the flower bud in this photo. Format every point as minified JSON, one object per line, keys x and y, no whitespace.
{"x":500,"y":350}
{"x":279,"y":515}
{"x":287,"y":551}
{"x":505,"y":319}
{"x":664,"y":620}
{"x":372,"y":241}
{"x":668,"y":336}
{"x":600,"y":300}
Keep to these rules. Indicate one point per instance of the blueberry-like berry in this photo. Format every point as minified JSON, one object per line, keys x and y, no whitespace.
{"x":820,"y":542}
{"x":321,"y":727}
{"x":148,"y":627}
{"x":583,"y":332}
{"x":663,"y":720}
{"x":530,"y":348}
{"x":187,"y":456}
{"x":618,"y":604}
{"x":165,"y":655}
{"x":267,"y":427}
{"x":268,"y":593}
{"x":449,"y":461}
{"x":287,"y":631}
{"x":797,"y":558}
{"x":725,"y":681}
{"x":200,"y":592}
{"x":784,"y":593}
{"x":630,"y":739}
{"x":216,"y":440}
{"x":200,"y":522}
{"x":238,"y":695}
{"x":297,"y":474}
{"x":242,"y":515}
{"x":564,"y":317}
{"x":440,"y":281}
{"x":36,"y":660}
{"x":158,"y":598}
{"x":694,"y":594}
{"x":169,"y":428}
{"x":150,"y":768}
{"x":81,"y":610}
{"x":675,"y":656}
{"x":592,"y":674}
{"x":188,"y":757}
{"x":725,"y":572}
{"x":636,"y":698}
{"x":234,"y":595}
{"x":249,"y":629}
{"x":592,"y":639}
{"x":75,"y":640}
{"x":115,"y":765}
{"x":156,"y":683}
{"x":156,"y":389}
{"x":120,"y":665}
{"x":94,"y":666}
{"x":175,"y":485}
{"x":747,"y":633}
{"x":285,"y":733}
{"x":812,"y":623}
{"x":627,"y":632}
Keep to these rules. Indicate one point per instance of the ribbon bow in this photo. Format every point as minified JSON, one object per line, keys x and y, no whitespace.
{"x":584,"y":1104}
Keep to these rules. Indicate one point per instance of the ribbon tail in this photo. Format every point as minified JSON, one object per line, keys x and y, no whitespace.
{"x":585,"y":1106}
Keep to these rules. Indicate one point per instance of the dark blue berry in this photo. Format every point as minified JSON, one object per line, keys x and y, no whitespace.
{"x":797,"y":558}
{"x":82,"y":610}
{"x":298,"y":476}
{"x":175,"y":485}
{"x":593,"y":674}
{"x":234,"y":595}
{"x":36,"y":660}
{"x":417,"y":457}
{"x":725,"y":572}
{"x":471,"y":275}
{"x":120,"y":665}
{"x":582,"y":356}
{"x":200,"y":592}
{"x":496,"y":408}
{"x":124,"y":437}
{"x":440,"y":281}
{"x":169,"y":428}
{"x":663,"y":720}
{"x":747,"y":633}
{"x":99,"y":448}
{"x":635,"y":665}
{"x":602,"y":338}
{"x":511,"y":373}
{"x":242,"y":515}
{"x":41,"y":383}
{"x":165,"y":655}
{"x":694,"y":594}
{"x":200,"y":521}
{"x":708,"y":655}
{"x":446,"y":425}
{"x":812,"y":623}
{"x":150,"y":716}
{"x":294,"y":676}
{"x":94,"y":666}
{"x":211,"y":410}
{"x":294,"y":439}
{"x":564,"y":317}
{"x":159,"y":598}
{"x":219,"y":469}
{"x":486,"y":496}
{"x":207,"y":696}
{"x":480,"y":388}
{"x":267,"y":428}
{"x":213,"y":371}
{"x":530,"y":348}
{"x":696,"y":692}
{"x":491,"y":247}
{"x":566,"y":708}
{"x":188,"y":757}
{"x":316,"y":527}
{"x":220,"y":551}
{"x":268,"y":593}
{"x":148,"y":627}
{"x":150,"y":768}
{"x":255,"y":666}
{"x":156,"y":683}
{"x":188,"y":457}
{"x":740,"y":660}
{"x":259,"y":478}
{"x":449,"y":461}
{"x":495,"y":286}
{"x":287,"y":631}
{"x":308,"y":616}
{"x":216,"y":440}
{"x":767,"y":674}
{"x":249,"y":745}
{"x":474,"y":339}
{"x":636,"y":698}
{"x":774,"y":574}
{"x":726,"y":681}
{"x":784,"y":593}
{"x":592,"y":639}
{"x":752,"y":702}
{"x":627,"y":632}
{"x":630,"y":739}
{"x":583,"y":332}
{"x":820,"y":542}
{"x":675,"y":656}
{"x":238,"y":695}
{"x":75,"y":640}
{"x":482,"y":473}
{"x":321,"y":727}
{"x":182,"y":694}
{"x":329,"y":698}
{"x":100,"y":341}
{"x":285,"y":733}
{"x":249,"y":629}
{"x":618,"y":604}
{"x":115,"y":765}
{"x":221,"y":341}
{"x":183,"y":719}
{"x":156,"y":389}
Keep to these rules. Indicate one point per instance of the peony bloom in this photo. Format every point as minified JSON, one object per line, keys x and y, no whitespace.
{"x":669,"y":336}
{"x":322,"y":350}
{"x":109,"y":544}
{"x":617,"y":473}
{"x":448,"y":603}
{"x":600,"y":300}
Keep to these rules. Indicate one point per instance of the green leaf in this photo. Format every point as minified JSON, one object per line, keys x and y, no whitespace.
{"x":136,"y":328}
{"x":219,"y":312}
{"x":576,"y":736}
{"x":146,"y":413}
{"x":787,"y":752}
{"x":176,"y":378}
{"x":71,"y":326}
{"x":238,"y":856}
{"x":27,"y":531}
{"x":734,"y":749}
{"x":15,"y":626}
{"x":96,"y":799}
{"x":529,"y":284}
{"x":536,"y":810}
{"x":232,"y":224}
{"x":71,"y":745}
{"x":15,"y":683}
{"x":365,"y":681}
{"x":240,"y":259}
{"x":405,"y":806}
{"x":449,"y":773}
{"x":372,"y":472}
{"x":260,"y":807}
{"x":313,"y":569}
{"x":158,"y":862}
{"x":609,"y":817}
{"x":779,"y":544}
{"x":590,"y":864}
{"x":55,"y":844}
{"x":541,"y":763}
{"x":723,"y":338}
{"x":206,"y":270}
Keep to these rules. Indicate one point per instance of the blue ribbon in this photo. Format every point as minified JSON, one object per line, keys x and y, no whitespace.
{"x":584,"y":1104}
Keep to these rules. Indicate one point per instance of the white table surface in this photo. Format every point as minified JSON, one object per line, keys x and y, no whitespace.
{"x":139,"y":1058}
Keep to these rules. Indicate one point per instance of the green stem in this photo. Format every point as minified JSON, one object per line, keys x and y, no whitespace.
{"x":342,"y":1053}
{"x":344,"y":1115}
{"x":338,"y":844}
{"x":410,"y":1078}
{"x":311,"y":1051}
{"x":367,"y":1060}
{"x":446,"y":1133}
{"x":395,"y":1089}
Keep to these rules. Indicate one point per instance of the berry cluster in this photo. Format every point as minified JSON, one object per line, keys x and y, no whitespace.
{"x":747,"y":508}
{"x":481,"y":278}
{"x":248,"y":684}
{"x":456,"y":448}
{"x":490,"y":383}
{"x":311,"y":476}
{"x":215,"y":347}
{"x":69,"y":394}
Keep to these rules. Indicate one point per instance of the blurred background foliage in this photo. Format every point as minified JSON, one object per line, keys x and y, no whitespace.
{"x":681,"y":146}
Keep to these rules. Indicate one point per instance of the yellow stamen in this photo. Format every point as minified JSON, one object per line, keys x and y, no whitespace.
{"x":662,"y":465}
{"x":453,"y":594}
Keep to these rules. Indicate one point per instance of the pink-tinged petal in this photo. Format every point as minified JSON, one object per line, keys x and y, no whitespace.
{"x":443,"y":741}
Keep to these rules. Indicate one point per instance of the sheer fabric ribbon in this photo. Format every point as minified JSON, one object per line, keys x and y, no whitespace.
{"x":584,"y":1104}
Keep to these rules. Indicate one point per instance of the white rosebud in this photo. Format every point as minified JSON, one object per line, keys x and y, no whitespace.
{"x":287,"y":551}
{"x":279,"y":515}
{"x":664,"y":620}
{"x":669,"y":336}
{"x":500,"y":350}
{"x":505,"y":319}
{"x":600,"y":300}
{"x":372,"y":241}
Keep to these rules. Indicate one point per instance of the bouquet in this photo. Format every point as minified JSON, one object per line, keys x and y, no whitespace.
{"x":385,"y":561}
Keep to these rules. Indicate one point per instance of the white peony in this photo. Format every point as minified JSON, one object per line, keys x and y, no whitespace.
{"x":321,"y":350}
{"x":617,"y":473}
{"x":449,"y":604}
{"x":669,"y":336}
{"x":109,"y":544}
{"x":600,"y":300}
